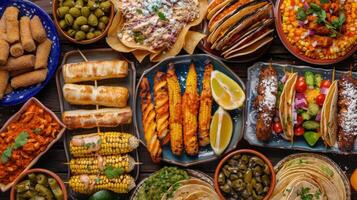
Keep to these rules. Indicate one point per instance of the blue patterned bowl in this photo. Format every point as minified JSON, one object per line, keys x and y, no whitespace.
{"x":30,"y":9}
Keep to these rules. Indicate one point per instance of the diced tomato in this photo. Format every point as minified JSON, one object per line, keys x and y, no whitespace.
{"x":320,"y":99}
{"x":299,"y":120}
{"x":277,"y":128}
{"x":325,"y":84}
{"x":301,"y":85}
{"x":298,"y":131}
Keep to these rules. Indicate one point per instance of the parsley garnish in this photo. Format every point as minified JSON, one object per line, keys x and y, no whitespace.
{"x":6,"y":154}
{"x":112,"y":172}
{"x":20,"y":141}
{"x":304,"y":194}
{"x":301,"y":15}
{"x":324,"y":1}
{"x":155,"y":8}
{"x":162,"y":16}
{"x":138,"y":37}
{"x":89,"y":145}
{"x":97,"y":180}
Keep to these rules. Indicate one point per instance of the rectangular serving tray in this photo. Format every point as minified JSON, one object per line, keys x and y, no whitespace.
{"x":128,"y":82}
{"x":277,"y":141}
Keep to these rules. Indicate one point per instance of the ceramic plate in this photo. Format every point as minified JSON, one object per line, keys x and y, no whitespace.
{"x":181,"y":64}
{"x":277,"y":141}
{"x":30,"y":9}
{"x":128,"y":82}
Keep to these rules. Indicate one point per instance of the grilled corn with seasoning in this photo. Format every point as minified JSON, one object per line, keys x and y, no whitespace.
{"x":190,"y":107}
{"x":87,"y":184}
{"x":204,"y":118}
{"x":175,"y":111}
{"x":107,"y":143}
{"x":96,"y":164}
{"x":162,"y":107}
{"x":148,"y":119}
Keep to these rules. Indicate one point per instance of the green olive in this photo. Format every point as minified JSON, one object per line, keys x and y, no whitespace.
{"x":91,"y":29}
{"x":62,"y":11}
{"x":75,"y":12}
{"x":258,"y":170}
{"x":80,"y":35}
{"x":85,"y":11}
{"x":92,"y":4}
{"x":92,"y":20}
{"x":238,"y":185}
{"x":249,"y":188}
{"x":233,"y":177}
{"x":79,"y":3}
{"x":226,"y":188}
{"x":85,"y":28}
{"x":244,"y":159}
{"x":105,"y":6}
{"x":104,"y":19}
{"x":68,"y":3}
{"x":101,"y":26}
{"x":69,"y":19}
{"x":63,"y":24}
{"x":257,"y":160}
{"x":266,"y":169}
{"x":90,"y":36}
{"x":266,"y":180}
{"x":81,"y":21}
{"x":221,"y":178}
{"x":76,"y":27}
{"x":259,"y":188}
{"x":97,"y":33}
{"x":71,"y":32}
{"x":236,"y":157}
{"x":248,"y":176}
{"x":98,"y":12}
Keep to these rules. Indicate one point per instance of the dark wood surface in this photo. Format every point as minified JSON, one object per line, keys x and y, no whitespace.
{"x":55,"y":158}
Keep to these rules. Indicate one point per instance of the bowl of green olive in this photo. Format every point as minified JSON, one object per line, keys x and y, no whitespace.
{"x":38,"y":184}
{"x":245,"y":174}
{"x":83,"y":21}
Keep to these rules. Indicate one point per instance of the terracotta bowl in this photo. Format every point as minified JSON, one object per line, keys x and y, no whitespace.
{"x":41,"y":171}
{"x":294,"y":50}
{"x":56,"y":20}
{"x":245,"y":151}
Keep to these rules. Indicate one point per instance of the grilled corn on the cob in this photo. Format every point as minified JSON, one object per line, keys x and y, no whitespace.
{"x":148,"y":118}
{"x":175,"y":111}
{"x":162,"y":107}
{"x":204,"y":118}
{"x":107,"y":143}
{"x":87,"y":184}
{"x":96,"y":165}
{"x":190,"y":103}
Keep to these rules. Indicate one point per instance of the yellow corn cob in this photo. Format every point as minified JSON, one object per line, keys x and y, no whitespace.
{"x":189,"y":110}
{"x":204,"y":118}
{"x":107,"y":143}
{"x":175,"y":111}
{"x":96,"y":165}
{"x":148,"y":119}
{"x":87,"y":184}
{"x":162,"y":107}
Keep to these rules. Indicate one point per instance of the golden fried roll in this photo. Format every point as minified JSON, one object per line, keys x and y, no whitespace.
{"x":175,"y":111}
{"x":106,"y":117}
{"x":21,"y":71}
{"x":190,"y":107}
{"x":26,"y":36}
{"x":149,"y":123}
{"x":16,"y":50}
{"x":161,"y":95}
{"x":94,"y":70}
{"x":22,"y":62}
{"x":42,"y":54}
{"x":29,"y":78}
{"x":12,"y":24}
{"x":8,"y":89}
{"x":204,"y":117}
{"x":4,"y":51}
{"x":4,"y":78}
{"x":3,"y":35}
{"x":37,"y":30}
{"x":89,"y":95}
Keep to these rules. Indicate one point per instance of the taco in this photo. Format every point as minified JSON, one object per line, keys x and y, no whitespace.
{"x":237,"y":15}
{"x":328,"y":121}
{"x":309,"y":176}
{"x":214,"y":6}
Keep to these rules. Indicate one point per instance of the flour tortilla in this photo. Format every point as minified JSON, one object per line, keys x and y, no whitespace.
{"x":192,"y":40}
{"x":328,"y":121}
{"x":213,"y":7}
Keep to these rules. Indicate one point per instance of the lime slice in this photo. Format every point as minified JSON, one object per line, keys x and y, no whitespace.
{"x":221,"y":130}
{"x":226,"y":92}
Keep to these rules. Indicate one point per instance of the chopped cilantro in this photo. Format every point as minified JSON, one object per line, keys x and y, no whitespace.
{"x":89,"y":145}
{"x":155,"y":8}
{"x":305,"y":194}
{"x":97,"y":180}
{"x":139,"y":11}
{"x":301,"y":15}
{"x":326,"y":170}
{"x":6,"y":154}
{"x":21,"y":139}
{"x":112,"y":172}
{"x":162,"y":16}
{"x":138,"y":37}
{"x":324,"y":1}
{"x":317,"y":194}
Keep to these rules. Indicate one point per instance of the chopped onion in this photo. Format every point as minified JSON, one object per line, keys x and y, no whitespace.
{"x":283,"y":80}
{"x":318,"y":116}
{"x":301,"y":23}
{"x":300,"y":101}
{"x":324,"y":90}
{"x":311,"y":32}
{"x":299,"y":95}
{"x":306,"y":6}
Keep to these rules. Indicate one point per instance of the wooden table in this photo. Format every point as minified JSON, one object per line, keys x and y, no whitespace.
{"x":55,"y":158}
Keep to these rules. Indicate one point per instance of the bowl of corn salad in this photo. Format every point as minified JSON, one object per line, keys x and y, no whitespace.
{"x":318,"y":31}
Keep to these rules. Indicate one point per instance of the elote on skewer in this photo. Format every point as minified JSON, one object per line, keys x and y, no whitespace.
{"x":87,"y":184}
{"x":162,"y":107}
{"x":148,"y":119}
{"x":97,"y":164}
{"x":204,"y":118}
{"x":175,"y":111}
{"x":190,"y":107}
{"x":107,"y":143}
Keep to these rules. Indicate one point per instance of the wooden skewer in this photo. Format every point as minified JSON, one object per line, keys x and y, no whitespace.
{"x":135,"y":163}
{"x":333,"y":74}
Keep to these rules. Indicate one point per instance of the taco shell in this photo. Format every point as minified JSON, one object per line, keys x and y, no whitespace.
{"x":214,"y":6}
{"x":224,"y":13}
{"x":328,"y":121}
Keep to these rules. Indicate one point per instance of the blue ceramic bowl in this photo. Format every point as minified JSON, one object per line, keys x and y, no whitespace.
{"x":277,"y":141}
{"x":30,"y":9}
{"x":181,"y":67}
